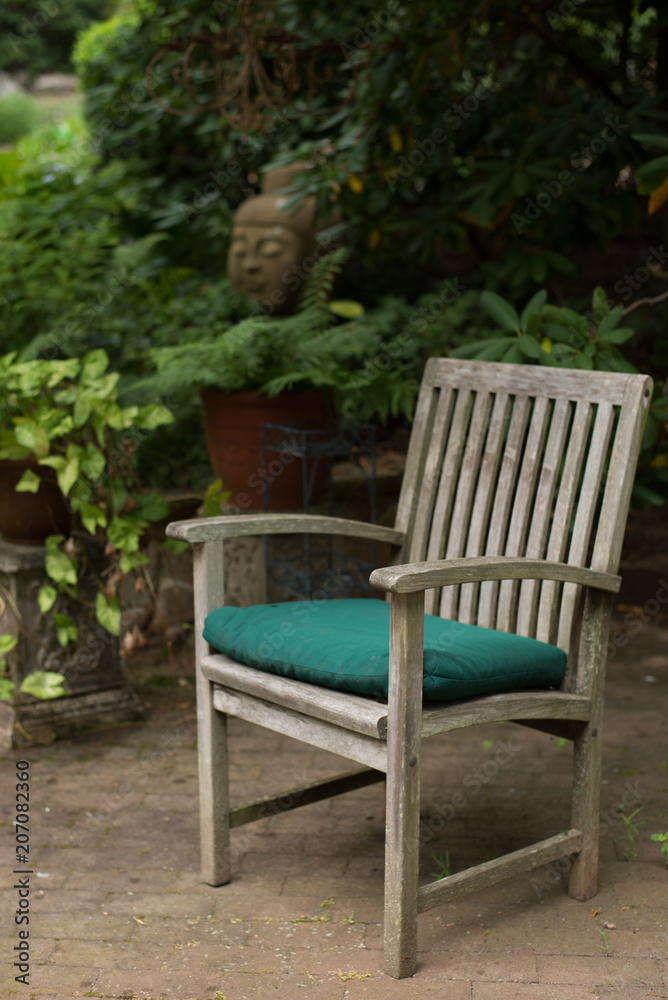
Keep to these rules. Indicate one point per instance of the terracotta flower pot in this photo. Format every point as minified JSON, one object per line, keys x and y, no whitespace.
{"x":27,"y":518}
{"x":232,"y":426}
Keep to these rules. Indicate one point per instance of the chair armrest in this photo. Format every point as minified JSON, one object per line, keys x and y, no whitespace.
{"x":413,"y":577}
{"x":208,"y":529}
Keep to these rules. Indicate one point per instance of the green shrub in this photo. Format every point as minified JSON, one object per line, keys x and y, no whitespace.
{"x":37,"y":35}
{"x":19,"y":115}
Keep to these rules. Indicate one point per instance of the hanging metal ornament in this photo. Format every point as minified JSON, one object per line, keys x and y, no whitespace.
{"x":254,"y":68}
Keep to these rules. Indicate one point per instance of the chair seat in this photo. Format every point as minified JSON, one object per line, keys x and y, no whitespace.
{"x":344,"y":644}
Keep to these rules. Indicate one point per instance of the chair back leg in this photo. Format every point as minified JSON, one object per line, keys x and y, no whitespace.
{"x":587,"y":750}
{"x":583,"y":879}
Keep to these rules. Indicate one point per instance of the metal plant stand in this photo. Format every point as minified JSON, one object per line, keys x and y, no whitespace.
{"x":317,"y":570}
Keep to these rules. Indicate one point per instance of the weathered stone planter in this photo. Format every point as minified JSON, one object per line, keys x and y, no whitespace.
{"x":98,"y":692}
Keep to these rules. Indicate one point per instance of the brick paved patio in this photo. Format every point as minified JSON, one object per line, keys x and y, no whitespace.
{"x":118,"y":909}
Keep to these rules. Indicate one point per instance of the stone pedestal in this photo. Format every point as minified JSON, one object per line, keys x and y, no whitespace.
{"x":98,"y":692}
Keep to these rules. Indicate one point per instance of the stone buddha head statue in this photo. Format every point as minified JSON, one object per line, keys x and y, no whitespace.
{"x":273,"y":249}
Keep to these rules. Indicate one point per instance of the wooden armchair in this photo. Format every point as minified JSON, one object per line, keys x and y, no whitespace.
{"x":511,"y":517}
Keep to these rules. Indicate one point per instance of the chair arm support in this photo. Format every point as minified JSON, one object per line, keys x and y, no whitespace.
{"x":413,"y":577}
{"x":208,"y":529}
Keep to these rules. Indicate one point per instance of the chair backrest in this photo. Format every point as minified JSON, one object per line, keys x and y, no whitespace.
{"x":520,"y":460}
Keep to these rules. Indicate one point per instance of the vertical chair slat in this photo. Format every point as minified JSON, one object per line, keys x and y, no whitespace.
{"x":621,"y":473}
{"x":560,"y":523}
{"x":468,"y":476}
{"x":452,"y":460}
{"x":542,"y":511}
{"x":430,"y":477}
{"x":519,"y":522}
{"x":503,"y":503}
{"x":579,"y":543}
{"x":484,"y":498}
{"x":423,"y":422}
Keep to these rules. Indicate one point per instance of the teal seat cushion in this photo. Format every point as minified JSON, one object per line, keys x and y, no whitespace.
{"x":344,"y":644}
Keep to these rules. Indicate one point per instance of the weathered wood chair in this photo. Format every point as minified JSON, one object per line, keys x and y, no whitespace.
{"x":511,"y":517}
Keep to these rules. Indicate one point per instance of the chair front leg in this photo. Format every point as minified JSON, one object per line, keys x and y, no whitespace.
{"x":402,"y":824}
{"x":214,"y":804}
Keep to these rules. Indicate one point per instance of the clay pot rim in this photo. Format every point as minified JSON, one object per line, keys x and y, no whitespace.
{"x":253,"y":396}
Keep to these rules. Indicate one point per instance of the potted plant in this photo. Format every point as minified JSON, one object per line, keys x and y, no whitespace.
{"x":66,"y":442}
{"x":328,"y":358}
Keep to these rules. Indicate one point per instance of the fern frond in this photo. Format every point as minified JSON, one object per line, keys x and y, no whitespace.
{"x":318,"y":288}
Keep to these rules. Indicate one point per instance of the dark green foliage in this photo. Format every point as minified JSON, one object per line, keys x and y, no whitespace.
{"x":506,"y":135}
{"x":37,"y":35}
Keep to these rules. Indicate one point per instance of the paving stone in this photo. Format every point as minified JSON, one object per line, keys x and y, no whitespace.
{"x":517,"y":991}
{"x":91,"y":926}
{"x":603,"y":971}
{"x":158,"y":904}
{"x":58,"y":978}
{"x":288,"y":986}
{"x":384,"y":988}
{"x":156,"y":984}
{"x":338,"y":961}
{"x":495,"y":968}
{"x":70,"y":901}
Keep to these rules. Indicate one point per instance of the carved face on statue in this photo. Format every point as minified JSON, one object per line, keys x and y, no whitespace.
{"x":264,"y":262}
{"x":273,"y":248}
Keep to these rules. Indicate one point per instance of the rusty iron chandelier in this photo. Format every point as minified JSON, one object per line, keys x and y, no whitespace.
{"x":251,"y":70}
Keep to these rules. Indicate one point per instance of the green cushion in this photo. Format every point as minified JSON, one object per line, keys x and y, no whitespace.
{"x":344,"y":644}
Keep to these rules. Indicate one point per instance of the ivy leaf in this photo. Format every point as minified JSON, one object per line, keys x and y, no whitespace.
{"x":92,"y":462}
{"x":66,"y":630}
{"x":92,"y":516}
{"x":44,"y":684}
{"x":124,"y":534}
{"x":150,"y":417}
{"x":94,"y":364}
{"x":6,"y":689}
{"x":130,"y":561}
{"x":34,"y":437}
{"x":82,"y":407}
{"x":7,"y":643}
{"x":501,"y":311}
{"x":46,"y":598}
{"x":108,"y":613}
{"x":28,"y":483}
{"x":60,"y":567}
